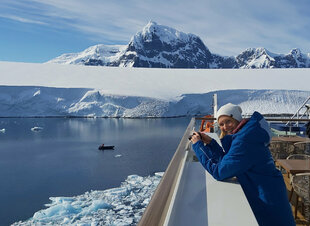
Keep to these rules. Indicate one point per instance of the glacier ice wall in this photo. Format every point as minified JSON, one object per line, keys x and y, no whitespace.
{"x":34,"y":101}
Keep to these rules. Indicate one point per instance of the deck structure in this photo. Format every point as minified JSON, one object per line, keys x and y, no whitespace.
{"x":188,"y":195}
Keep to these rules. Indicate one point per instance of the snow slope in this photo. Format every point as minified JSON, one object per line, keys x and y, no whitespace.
{"x":101,"y":54}
{"x":72,"y":90}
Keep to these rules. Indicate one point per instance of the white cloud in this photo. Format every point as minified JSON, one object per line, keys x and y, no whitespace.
{"x":22,"y":20}
{"x":225,"y":26}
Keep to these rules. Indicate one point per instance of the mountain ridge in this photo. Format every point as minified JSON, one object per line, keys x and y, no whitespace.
{"x":159,"y":46}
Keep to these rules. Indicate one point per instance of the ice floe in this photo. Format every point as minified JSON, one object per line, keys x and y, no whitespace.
{"x":123,"y":205}
{"x":2,"y":130}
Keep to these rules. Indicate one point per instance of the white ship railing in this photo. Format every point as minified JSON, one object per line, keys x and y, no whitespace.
{"x":299,"y":115}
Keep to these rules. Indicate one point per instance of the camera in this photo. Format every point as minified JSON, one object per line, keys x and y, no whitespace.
{"x":190,"y":137}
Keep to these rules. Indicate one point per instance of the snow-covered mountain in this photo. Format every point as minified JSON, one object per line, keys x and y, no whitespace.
{"x":98,"y":55}
{"x":262,"y":58}
{"x":155,"y":46}
{"x":164,"y":47}
{"x":159,"y":46}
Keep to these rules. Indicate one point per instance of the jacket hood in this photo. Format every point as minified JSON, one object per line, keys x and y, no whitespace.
{"x":255,"y":130}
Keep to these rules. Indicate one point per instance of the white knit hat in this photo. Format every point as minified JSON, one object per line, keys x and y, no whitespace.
{"x":231,"y":110}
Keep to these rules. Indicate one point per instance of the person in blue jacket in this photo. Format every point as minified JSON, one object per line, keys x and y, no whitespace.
{"x":245,"y":155}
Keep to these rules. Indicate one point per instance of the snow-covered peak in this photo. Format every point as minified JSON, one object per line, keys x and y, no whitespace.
{"x":300,"y":59}
{"x":166,"y":34}
{"x":103,"y":50}
{"x":259,"y":52}
{"x":163,"y":33}
{"x":100,"y":52}
{"x":161,"y":46}
{"x":296,"y":52}
{"x":256,"y":58}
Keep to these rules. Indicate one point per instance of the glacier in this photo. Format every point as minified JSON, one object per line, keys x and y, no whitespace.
{"x":42,"y":90}
{"x":19,"y":101}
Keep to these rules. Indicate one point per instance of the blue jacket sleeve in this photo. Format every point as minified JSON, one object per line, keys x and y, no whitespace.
{"x":211,"y":151}
{"x":220,"y":165}
{"x":235,"y":162}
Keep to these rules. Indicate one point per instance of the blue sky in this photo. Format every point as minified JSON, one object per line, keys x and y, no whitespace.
{"x":37,"y":30}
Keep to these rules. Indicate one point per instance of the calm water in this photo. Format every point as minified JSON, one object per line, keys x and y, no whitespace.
{"x":63,"y":159}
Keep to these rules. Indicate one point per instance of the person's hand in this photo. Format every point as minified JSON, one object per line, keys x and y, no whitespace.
{"x":195,"y":137}
{"x":205,"y":138}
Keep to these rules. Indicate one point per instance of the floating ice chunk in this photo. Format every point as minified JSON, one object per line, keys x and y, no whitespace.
{"x":60,"y":200}
{"x":36,"y":129}
{"x":95,"y":206}
{"x":2,"y":130}
{"x":124,"y":221}
{"x":37,"y":93}
{"x":159,"y":174}
{"x":59,"y":99}
{"x":134,"y":179}
{"x":146,"y":201}
{"x":117,"y":191}
{"x":147,"y":182}
{"x":119,"y":207}
{"x":117,"y":156}
{"x":56,"y":211}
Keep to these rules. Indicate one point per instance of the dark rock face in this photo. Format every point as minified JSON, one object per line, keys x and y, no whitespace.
{"x":224,"y":62}
{"x":294,"y":59}
{"x":93,"y":62}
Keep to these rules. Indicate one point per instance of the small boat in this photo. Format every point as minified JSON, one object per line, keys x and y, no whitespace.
{"x":104,"y":147}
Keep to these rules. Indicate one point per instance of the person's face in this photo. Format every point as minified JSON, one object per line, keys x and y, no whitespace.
{"x":227,"y":124}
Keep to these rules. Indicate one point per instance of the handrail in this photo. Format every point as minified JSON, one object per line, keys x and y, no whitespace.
{"x":267,"y":119}
{"x":288,"y":120}
{"x":155,"y":213}
{"x":297,"y":112}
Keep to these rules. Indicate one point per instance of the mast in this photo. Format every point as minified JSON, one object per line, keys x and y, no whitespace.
{"x":214,"y":104}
